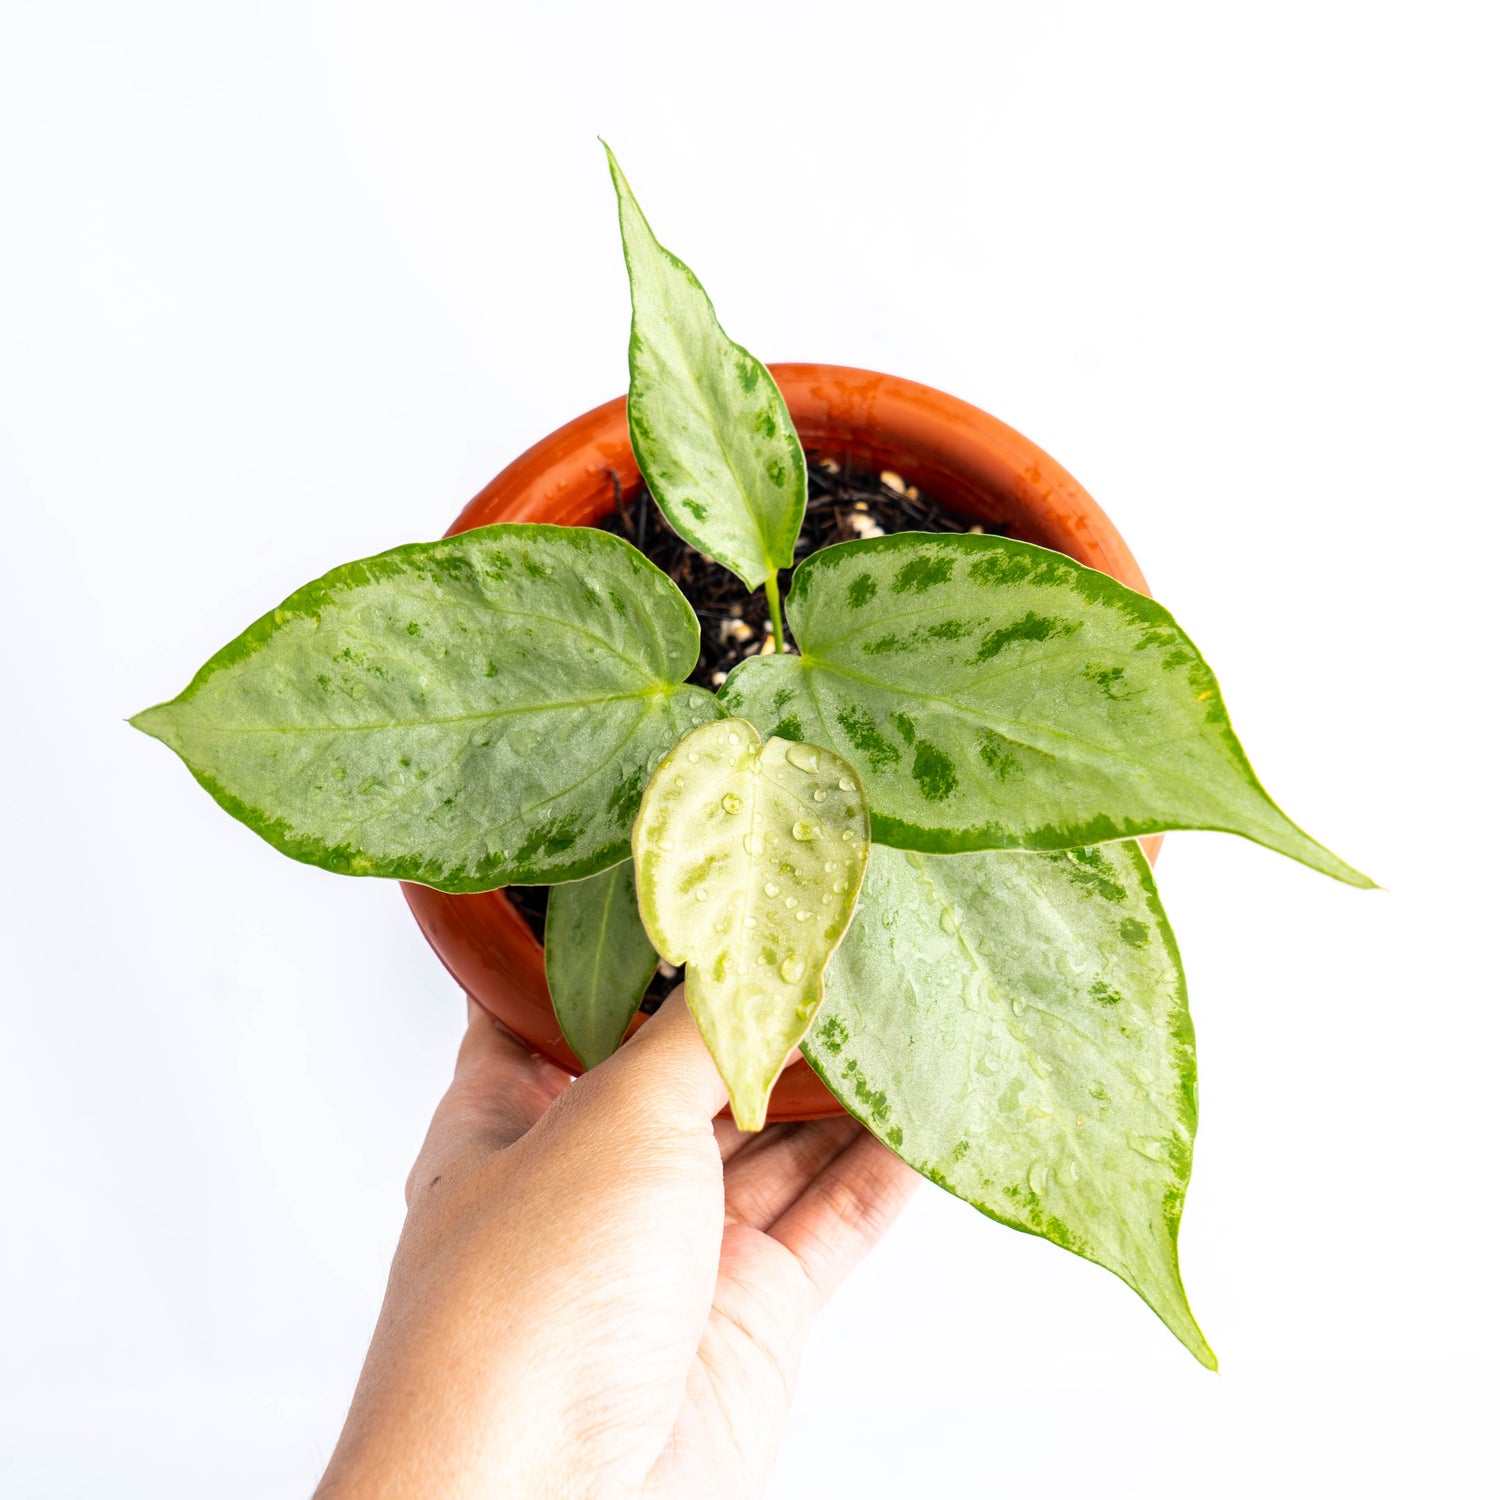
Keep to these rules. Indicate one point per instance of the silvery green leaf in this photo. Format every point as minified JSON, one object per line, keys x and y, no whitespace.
{"x":468,"y":713}
{"x":1016,"y":1027}
{"x":996,"y":695}
{"x":710,"y":429}
{"x":599,"y":960}
{"x":748,"y":860}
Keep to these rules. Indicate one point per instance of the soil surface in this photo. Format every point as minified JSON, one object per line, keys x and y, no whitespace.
{"x":843,"y":504}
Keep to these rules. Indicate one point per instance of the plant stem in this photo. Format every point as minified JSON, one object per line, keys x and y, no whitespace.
{"x":773,"y":604}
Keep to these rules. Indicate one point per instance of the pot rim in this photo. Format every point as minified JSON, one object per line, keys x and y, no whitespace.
{"x":963,"y":457}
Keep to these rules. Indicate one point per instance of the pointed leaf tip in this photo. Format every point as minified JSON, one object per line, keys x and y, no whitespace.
{"x":998,"y":695}
{"x":1015,"y":1026}
{"x":708,"y":424}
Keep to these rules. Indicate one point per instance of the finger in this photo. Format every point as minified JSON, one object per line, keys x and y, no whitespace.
{"x":762,"y":1182}
{"x":499,"y":1091}
{"x":663,"y":1075}
{"x":852,"y":1202}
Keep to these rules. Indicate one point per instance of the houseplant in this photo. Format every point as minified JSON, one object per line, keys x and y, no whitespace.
{"x":908,"y":845}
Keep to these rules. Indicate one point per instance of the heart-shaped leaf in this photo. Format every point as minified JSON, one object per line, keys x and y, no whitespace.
{"x":709,"y":427}
{"x":469,"y":713}
{"x":599,"y":960}
{"x":748,"y":859}
{"x":996,"y":695}
{"x":1016,"y":1027}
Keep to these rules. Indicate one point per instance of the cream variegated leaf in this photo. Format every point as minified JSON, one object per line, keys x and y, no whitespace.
{"x":749,"y":857}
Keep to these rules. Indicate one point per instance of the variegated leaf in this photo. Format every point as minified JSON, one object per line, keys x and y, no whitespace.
{"x":996,"y":695}
{"x":748,"y":859}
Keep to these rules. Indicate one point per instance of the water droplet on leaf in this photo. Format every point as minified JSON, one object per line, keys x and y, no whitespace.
{"x":805,"y":832}
{"x":804,"y":757}
{"x":730,"y":803}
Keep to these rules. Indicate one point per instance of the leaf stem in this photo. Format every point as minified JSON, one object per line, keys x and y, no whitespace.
{"x":773,"y":604}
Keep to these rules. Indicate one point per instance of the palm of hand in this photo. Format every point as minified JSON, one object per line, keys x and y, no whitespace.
{"x":600,"y":1289}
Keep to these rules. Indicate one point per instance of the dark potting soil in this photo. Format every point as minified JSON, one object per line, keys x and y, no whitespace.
{"x":843,"y":504}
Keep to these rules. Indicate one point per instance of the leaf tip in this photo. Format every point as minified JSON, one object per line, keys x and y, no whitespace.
{"x":154,"y":721}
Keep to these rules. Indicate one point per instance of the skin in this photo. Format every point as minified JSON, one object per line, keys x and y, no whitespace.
{"x":601,"y":1290}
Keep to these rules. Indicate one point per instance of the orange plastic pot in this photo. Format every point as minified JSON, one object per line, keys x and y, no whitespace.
{"x":963,"y":458}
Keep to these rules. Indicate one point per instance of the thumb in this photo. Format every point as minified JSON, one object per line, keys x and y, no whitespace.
{"x":664,"y":1072}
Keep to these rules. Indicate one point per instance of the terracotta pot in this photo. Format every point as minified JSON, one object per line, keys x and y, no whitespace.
{"x":960,"y":456}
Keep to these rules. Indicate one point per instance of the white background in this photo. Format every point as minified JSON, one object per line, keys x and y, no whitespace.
{"x":282,"y":285}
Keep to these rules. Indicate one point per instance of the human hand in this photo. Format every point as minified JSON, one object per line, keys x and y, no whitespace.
{"x":600,"y":1289}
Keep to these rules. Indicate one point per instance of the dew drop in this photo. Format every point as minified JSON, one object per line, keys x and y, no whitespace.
{"x":791,"y":901}
{"x":829,"y":867}
{"x":802,"y":916}
{"x":805,"y":832}
{"x":819,"y":795}
{"x":841,"y":885}
{"x":792,"y":968}
{"x":848,"y":837}
{"x":665,"y":844}
{"x":827,"y":898}
{"x":1036,"y":1178}
{"x":677,"y":781}
{"x":1147,"y":1146}
{"x":752,"y":921}
{"x":700,"y":895}
{"x":692,"y":757}
{"x":734,"y":738}
{"x":846,"y":783}
{"x":1073,"y":1173}
{"x":772,"y":889}
{"x":730,"y":803}
{"x":759,"y":818}
{"x":754,"y":844}
{"x":804,"y":757}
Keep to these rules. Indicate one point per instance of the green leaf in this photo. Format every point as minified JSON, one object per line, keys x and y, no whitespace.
{"x":748,"y":859}
{"x":599,"y":960}
{"x":709,"y":427}
{"x":996,"y":695}
{"x":470,"y":713}
{"x":1016,"y":1027}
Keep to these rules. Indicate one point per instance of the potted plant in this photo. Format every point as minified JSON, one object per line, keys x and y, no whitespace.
{"x":900,"y":833}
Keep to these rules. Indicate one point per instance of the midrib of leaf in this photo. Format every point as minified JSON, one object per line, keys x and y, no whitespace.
{"x":602,"y":929}
{"x":526,"y":812}
{"x":960,"y":709}
{"x":705,"y":409}
{"x":1108,"y":755}
{"x":657,"y":690}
